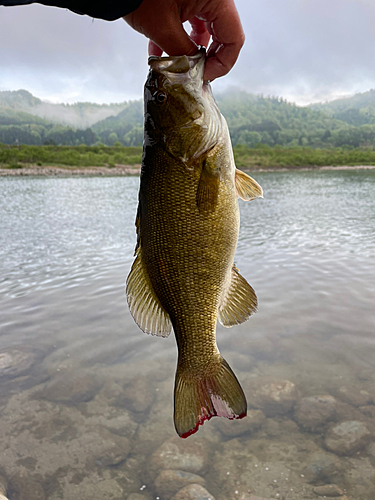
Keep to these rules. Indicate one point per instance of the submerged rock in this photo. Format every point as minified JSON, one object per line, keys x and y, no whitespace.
{"x":322,"y":467}
{"x":24,"y":487}
{"x":315,"y":411}
{"x":139,"y":394}
{"x":169,"y":482}
{"x":346,"y":438}
{"x":193,"y":492}
{"x":176,"y":453}
{"x":69,"y":388}
{"x":360,"y":478}
{"x":137,"y":496}
{"x":17,"y":361}
{"x":273,"y":396}
{"x":111,"y":449}
{"x":354,"y":395}
{"x":369,"y":411}
{"x":328,"y":490}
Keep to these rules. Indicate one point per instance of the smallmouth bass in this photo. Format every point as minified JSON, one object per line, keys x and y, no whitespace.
{"x":187,"y":225}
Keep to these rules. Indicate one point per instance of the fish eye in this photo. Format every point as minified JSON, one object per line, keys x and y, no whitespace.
{"x":160,"y":97}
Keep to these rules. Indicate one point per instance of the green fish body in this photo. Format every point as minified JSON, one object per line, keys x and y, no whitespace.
{"x":187,"y":225}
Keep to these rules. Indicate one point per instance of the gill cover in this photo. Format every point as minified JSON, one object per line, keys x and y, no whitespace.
{"x":180,"y":111}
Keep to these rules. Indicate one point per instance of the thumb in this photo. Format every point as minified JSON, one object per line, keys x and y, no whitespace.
{"x":161,"y":23}
{"x":174,"y":40}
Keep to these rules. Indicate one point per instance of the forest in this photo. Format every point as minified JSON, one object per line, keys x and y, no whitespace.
{"x":254,"y":121}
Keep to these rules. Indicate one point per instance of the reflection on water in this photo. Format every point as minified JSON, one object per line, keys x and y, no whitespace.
{"x":86,"y":397}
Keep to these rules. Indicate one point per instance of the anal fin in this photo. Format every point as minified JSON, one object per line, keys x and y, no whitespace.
{"x":144,"y":305}
{"x":239,"y":303}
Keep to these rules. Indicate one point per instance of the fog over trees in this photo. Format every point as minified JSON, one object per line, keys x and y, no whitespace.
{"x":253,"y":120}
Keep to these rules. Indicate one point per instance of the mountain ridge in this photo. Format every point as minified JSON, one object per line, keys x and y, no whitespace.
{"x":252,"y":120}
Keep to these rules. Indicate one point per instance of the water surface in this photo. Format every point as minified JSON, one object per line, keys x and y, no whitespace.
{"x":87,"y":381}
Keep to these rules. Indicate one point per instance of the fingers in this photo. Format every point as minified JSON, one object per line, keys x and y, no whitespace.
{"x":227,"y":40}
{"x":199,"y":33}
{"x":153,"y":49}
{"x":161,"y":22}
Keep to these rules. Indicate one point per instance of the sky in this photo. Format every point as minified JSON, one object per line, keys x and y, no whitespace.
{"x":302,"y":50}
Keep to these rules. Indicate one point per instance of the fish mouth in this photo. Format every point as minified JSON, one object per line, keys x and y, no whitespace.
{"x":180,"y":68}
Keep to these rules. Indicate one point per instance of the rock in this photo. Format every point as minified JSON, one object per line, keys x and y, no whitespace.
{"x":139,"y":394}
{"x":117,"y":420}
{"x":347,"y":437}
{"x":169,"y":482}
{"x":273,"y":397}
{"x":137,"y":496}
{"x":354,"y":395}
{"x":176,"y":453}
{"x":261,"y":348}
{"x":17,"y":361}
{"x":371,"y":449}
{"x":241,"y":466}
{"x":249,"y":424}
{"x":24,"y":487}
{"x":369,"y":411}
{"x":328,"y":490}
{"x":322,"y":467}
{"x":360,"y":478}
{"x":111,"y":449}
{"x":193,"y":492}
{"x":71,"y":389}
{"x":315,"y":411}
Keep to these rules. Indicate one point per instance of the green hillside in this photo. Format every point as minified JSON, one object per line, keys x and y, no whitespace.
{"x":252,"y":120}
{"x":356,"y":110}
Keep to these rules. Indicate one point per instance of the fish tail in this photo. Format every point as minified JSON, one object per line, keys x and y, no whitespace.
{"x":216,"y":393}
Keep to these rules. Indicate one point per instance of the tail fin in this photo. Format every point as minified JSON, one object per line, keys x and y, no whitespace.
{"x":198,"y":398}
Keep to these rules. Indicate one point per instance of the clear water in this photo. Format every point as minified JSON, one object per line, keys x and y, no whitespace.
{"x":86,"y":398}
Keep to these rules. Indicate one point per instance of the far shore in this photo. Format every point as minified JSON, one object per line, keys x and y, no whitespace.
{"x":125,"y":170}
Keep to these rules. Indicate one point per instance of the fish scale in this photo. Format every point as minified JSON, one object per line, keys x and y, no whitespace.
{"x":187,"y":224}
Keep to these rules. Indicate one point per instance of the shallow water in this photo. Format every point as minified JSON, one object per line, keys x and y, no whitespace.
{"x":86,"y":397}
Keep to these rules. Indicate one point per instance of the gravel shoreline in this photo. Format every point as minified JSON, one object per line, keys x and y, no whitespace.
{"x":121,"y":170}
{"x":52,"y":171}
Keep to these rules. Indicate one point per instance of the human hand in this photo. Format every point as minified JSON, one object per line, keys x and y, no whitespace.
{"x":161,"y":22}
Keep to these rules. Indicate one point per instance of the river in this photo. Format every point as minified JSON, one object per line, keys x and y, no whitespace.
{"x":86,"y":398}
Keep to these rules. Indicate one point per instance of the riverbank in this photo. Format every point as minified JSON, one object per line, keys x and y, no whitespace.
{"x":53,"y":171}
{"x":124,"y":170}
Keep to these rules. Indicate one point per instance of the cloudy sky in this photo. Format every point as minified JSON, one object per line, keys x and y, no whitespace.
{"x":303,"y":50}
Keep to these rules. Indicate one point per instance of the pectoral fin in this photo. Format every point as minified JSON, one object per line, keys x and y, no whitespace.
{"x":144,"y":305}
{"x":208,"y":187}
{"x":239,"y":303}
{"x":247,"y":188}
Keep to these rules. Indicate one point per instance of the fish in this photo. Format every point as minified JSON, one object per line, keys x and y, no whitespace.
{"x":183,"y":275}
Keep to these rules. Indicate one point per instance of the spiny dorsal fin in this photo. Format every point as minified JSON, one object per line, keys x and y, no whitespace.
{"x":208,"y":187}
{"x":247,"y":187}
{"x":144,"y":305}
{"x":239,"y":303}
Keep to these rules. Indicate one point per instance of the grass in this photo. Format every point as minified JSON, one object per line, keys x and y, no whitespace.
{"x":245,"y":157}
{"x":77,"y":156}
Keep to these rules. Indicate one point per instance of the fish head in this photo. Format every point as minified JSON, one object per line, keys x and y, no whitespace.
{"x":180,"y":111}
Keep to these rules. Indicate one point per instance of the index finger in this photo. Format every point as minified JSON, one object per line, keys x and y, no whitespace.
{"x":227,"y":40}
